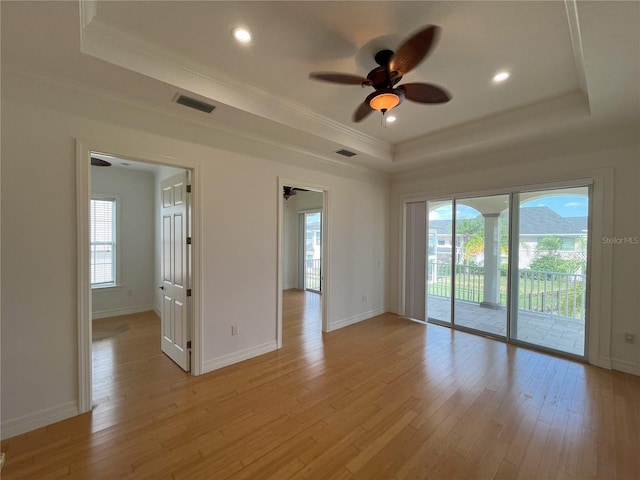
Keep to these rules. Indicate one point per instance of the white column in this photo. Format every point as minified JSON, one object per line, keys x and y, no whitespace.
{"x":491,"y":294}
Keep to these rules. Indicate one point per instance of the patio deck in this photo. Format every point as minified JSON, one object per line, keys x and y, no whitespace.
{"x":559,"y":333}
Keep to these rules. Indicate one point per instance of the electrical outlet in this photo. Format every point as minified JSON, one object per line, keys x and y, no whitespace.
{"x":235,"y":329}
{"x":365,"y":298}
{"x":130,"y":293}
{"x":629,"y":337}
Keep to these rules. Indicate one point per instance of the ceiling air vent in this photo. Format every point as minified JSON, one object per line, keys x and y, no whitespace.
{"x":193,"y":103}
{"x":345,"y":153}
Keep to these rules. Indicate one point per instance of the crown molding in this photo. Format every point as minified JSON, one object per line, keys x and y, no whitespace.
{"x":526,"y":151}
{"x":496,"y":129}
{"x":121,"y":48}
{"x":571,"y":7}
{"x":253,"y":144}
{"x":88,"y":11}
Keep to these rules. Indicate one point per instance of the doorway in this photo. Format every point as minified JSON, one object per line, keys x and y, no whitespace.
{"x":125,"y":286}
{"x":303,"y":254}
{"x":512,"y":266}
{"x":310,"y":250}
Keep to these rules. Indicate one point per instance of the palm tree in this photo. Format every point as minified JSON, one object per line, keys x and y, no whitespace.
{"x":472,"y":231}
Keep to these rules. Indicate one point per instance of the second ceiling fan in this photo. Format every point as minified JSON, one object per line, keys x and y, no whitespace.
{"x":392,"y":67}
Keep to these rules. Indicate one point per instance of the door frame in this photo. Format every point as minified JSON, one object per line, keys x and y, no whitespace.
{"x":83,"y":307}
{"x":600,"y":255}
{"x":326,"y":252}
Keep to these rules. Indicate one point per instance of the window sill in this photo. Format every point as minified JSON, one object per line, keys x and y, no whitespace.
{"x":106,"y":288}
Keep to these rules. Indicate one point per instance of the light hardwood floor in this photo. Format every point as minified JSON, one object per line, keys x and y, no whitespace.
{"x":383,"y":399}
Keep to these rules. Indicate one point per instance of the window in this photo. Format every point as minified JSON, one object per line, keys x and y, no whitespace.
{"x":520,"y":269}
{"x":568,"y":244}
{"x":103,"y":241}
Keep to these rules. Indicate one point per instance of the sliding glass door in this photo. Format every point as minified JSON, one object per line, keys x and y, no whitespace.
{"x":440,"y":251}
{"x":551,"y":275}
{"x":481,"y":263}
{"x":512,"y":266}
{"x":312,"y":250}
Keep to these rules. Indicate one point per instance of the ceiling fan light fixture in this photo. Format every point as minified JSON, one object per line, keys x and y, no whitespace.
{"x":385,"y":99}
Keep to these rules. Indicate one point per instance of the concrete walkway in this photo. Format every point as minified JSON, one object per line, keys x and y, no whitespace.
{"x":551,"y":331}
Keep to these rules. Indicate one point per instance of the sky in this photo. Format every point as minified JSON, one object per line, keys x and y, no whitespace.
{"x":563,"y":205}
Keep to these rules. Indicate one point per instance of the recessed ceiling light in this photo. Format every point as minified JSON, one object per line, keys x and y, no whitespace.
{"x":241,"y":34}
{"x":391,"y":119}
{"x":501,"y":77}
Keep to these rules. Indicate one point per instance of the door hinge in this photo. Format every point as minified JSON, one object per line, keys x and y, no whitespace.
{"x":189,"y":344}
{"x":188,"y":292}
{"x":188,"y":188}
{"x":188,"y":240}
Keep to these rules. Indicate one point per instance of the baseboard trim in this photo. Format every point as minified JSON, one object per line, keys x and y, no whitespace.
{"x":601,"y":361}
{"x":239,"y":356}
{"x":345,"y":322}
{"x":116,"y":312}
{"x":394,"y":309}
{"x":45,"y":417}
{"x":625,"y":366}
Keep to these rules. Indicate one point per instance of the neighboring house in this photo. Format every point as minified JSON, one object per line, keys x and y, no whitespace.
{"x":313,"y":240}
{"x":536,"y":223}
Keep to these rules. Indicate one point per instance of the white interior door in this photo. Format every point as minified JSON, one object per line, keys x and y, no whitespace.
{"x":175,"y":310}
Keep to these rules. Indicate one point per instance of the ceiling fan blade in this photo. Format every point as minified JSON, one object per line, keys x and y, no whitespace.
{"x":425,"y":93}
{"x":98,"y":162}
{"x":414,"y":50}
{"x":362,"y":111}
{"x":343,"y":78}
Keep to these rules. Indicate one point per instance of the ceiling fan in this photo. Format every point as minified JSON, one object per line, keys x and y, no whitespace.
{"x":392,"y":67}
{"x":291,"y":191}
{"x":98,"y":162}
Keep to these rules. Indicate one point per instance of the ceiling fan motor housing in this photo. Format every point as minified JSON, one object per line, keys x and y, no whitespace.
{"x":378,"y":77}
{"x":381,"y":77}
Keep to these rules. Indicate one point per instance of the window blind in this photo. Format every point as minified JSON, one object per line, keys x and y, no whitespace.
{"x":103,"y":241}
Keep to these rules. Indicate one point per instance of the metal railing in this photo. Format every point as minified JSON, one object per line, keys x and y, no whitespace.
{"x":552,"y":293}
{"x":312,"y":274}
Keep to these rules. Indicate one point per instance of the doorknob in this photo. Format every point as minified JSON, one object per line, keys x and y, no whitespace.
{"x":161,"y":287}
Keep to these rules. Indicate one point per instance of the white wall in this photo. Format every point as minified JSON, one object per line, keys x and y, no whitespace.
{"x":612,"y":156}
{"x":291,"y":208}
{"x":137,"y":243}
{"x":41,"y":121}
